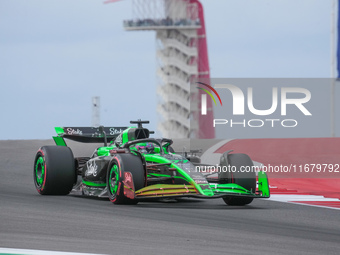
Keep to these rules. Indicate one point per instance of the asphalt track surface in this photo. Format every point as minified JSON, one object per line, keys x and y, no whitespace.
{"x":78,"y":224}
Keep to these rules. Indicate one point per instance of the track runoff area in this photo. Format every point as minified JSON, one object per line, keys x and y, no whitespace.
{"x":41,"y":223}
{"x":304,"y":171}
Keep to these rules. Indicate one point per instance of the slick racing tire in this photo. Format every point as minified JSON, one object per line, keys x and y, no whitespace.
{"x":246,"y":180}
{"x":54,"y":170}
{"x":119,"y":168}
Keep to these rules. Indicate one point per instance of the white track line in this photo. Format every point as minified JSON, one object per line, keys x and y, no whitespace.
{"x":296,"y":199}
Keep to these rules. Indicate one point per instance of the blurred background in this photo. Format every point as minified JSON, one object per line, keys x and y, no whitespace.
{"x":56,"y":55}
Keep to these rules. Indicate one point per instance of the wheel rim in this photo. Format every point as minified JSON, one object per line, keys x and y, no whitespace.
{"x":113,"y":179}
{"x":40,"y":171}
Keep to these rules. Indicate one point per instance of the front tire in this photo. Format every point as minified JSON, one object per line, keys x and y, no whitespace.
{"x":246,"y":180}
{"x":116,"y":175}
{"x":54,"y":170}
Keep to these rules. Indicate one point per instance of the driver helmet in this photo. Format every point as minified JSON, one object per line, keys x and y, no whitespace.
{"x":147,"y":148}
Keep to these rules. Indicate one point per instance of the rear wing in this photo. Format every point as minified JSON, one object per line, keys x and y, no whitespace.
{"x":86,"y":134}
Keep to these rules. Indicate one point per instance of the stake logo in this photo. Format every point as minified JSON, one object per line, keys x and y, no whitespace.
{"x":204,"y":97}
{"x":239,"y":100}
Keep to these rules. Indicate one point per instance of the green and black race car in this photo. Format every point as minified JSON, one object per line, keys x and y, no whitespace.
{"x":134,"y":167}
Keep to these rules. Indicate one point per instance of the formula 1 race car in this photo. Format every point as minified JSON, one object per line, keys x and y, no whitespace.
{"x":134,"y":167}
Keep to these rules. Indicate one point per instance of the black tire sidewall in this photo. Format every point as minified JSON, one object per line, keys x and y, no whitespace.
{"x":39,"y":188}
{"x":60,"y":173}
{"x":130,"y":163}
{"x":115,"y":198}
{"x":246,"y":180}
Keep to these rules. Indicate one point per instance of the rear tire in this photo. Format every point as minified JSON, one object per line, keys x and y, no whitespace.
{"x":54,"y":170}
{"x":120,"y":164}
{"x":246,"y":180}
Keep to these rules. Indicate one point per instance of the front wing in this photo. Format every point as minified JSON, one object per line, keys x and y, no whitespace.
{"x":216,"y":190}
